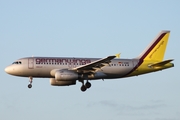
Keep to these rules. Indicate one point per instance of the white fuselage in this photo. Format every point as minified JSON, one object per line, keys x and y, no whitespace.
{"x":42,"y":66}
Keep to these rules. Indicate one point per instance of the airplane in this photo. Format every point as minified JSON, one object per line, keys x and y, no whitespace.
{"x":65,"y":71}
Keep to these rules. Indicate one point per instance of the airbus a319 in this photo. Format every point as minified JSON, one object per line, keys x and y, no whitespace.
{"x":64,"y":71}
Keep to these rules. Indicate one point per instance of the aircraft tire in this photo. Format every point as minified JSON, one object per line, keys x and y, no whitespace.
{"x":83,"y":88}
{"x":30,"y":86}
{"x":88,"y":84}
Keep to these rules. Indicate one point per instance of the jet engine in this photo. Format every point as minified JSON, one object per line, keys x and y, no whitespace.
{"x":66,"y":75}
{"x":54,"y":82}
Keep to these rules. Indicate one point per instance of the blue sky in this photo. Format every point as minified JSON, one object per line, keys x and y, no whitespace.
{"x":88,"y":29}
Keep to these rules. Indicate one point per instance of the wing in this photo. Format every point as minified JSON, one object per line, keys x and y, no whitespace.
{"x":94,"y":66}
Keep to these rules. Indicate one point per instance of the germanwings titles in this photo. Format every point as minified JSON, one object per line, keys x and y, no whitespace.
{"x":66,"y":71}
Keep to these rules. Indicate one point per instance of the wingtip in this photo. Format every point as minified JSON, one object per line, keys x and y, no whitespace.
{"x":117,"y":55}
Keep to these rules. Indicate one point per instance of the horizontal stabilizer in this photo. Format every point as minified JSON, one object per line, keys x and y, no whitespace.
{"x":159,"y":64}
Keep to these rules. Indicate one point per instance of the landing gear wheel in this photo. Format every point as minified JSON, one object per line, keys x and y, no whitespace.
{"x":30,"y":86}
{"x":83,"y":88}
{"x":88,"y":84}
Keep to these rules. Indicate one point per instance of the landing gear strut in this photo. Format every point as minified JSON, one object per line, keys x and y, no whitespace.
{"x":30,"y":82}
{"x":86,"y":86}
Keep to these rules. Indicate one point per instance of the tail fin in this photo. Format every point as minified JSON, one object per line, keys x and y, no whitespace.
{"x":156,"y":50}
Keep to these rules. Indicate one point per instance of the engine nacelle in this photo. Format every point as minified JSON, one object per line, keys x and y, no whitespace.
{"x":61,"y":83}
{"x":65,"y":75}
{"x":98,"y":75}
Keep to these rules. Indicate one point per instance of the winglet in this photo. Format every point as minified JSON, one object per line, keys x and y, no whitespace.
{"x":117,"y":55}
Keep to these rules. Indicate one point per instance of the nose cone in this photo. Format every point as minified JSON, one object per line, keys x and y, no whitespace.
{"x":8,"y":70}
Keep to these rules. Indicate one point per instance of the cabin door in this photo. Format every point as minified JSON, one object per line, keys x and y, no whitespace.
{"x":31,"y":63}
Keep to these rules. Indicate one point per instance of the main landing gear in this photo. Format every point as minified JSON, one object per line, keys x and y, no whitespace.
{"x":30,"y":82}
{"x":86,"y":86}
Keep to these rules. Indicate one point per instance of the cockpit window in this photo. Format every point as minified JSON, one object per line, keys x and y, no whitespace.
{"x":17,"y":62}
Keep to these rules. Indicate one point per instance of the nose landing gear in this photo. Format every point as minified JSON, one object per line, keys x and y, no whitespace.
{"x":30,"y":82}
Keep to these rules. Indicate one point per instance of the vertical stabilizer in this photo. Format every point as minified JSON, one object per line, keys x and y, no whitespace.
{"x":156,"y":50}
